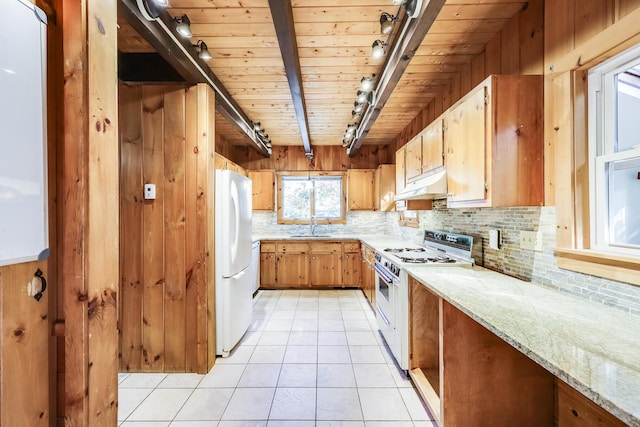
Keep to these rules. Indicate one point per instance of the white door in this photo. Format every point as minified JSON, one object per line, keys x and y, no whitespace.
{"x":233,"y":222}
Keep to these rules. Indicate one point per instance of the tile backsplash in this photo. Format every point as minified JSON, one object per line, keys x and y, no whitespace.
{"x":535,"y":266}
{"x":538,"y":267}
{"x":364,"y":222}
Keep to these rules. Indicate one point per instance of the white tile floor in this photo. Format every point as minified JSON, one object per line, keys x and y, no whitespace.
{"x":310,"y":359}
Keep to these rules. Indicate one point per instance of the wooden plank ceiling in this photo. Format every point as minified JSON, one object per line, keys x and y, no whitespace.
{"x":334,"y":43}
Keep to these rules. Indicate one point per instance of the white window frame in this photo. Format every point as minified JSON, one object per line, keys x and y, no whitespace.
{"x":602,"y":113}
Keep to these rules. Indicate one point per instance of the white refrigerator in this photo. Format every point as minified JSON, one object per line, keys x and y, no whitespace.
{"x":233,"y":281}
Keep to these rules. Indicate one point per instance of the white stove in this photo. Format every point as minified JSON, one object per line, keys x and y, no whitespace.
{"x":439,"y":249}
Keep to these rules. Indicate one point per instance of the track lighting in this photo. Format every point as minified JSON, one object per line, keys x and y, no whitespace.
{"x":358,"y":107}
{"x":361,"y":97}
{"x":354,"y":114}
{"x":387,"y":22}
{"x":150,"y":9}
{"x":203,"y":52}
{"x":347,"y":140}
{"x":183,"y":26}
{"x":377,"y":49}
{"x":413,"y":7}
{"x":366,"y":83}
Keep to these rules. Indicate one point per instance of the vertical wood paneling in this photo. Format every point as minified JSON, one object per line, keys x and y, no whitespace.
{"x":465,"y":79}
{"x":175,"y":143}
{"x":493,"y":56}
{"x":624,"y":7}
{"x":131,"y":199}
{"x":193,"y":273}
{"x":206,"y":183}
{"x":24,"y":389}
{"x":153,"y":235}
{"x":510,"y":47}
{"x":558,"y":30}
{"x":174,"y":230}
{"x":72,"y":214}
{"x":531,"y":49}
{"x":591,"y":17}
{"x":477,"y":69}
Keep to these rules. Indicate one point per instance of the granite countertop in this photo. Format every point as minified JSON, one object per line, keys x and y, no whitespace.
{"x":594,"y":348}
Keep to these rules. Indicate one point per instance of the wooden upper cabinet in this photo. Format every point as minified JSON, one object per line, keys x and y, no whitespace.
{"x":494,"y":144}
{"x":263,"y":184}
{"x":400,"y":169}
{"x":360,"y":189}
{"x":223,"y":163}
{"x":433,"y":145}
{"x":384,"y":188}
{"x":413,"y":158}
{"x":465,"y":135}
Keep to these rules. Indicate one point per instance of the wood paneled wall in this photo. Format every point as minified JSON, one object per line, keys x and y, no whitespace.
{"x":326,"y":158}
{"x":516,"y":49}
{"x":578,"y":34}
{"x":166,"y":139}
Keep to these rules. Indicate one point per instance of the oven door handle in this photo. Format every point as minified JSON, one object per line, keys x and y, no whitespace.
{"x":382,"y":274}
{"x":384,"y":318}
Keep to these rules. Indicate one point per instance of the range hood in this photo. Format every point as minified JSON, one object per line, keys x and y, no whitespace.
{"x":430,"y":187}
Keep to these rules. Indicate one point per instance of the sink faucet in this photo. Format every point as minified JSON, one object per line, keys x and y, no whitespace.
{"x":312,"y":225}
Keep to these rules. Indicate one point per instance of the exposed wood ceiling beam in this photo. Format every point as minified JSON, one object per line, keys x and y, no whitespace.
{"x":404,"y":47}
{"x":282,"y":15}
{"x":179,"y":53}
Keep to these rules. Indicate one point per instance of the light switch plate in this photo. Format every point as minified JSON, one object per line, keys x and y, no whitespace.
{"x":494,"y":239}
{"x":149,"y":191}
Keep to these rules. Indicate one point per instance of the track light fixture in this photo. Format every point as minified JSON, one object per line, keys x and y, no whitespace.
{"x":358,"y":107}
{"x":203,"y":51}
{"x":366,"y":83}
{"x":183,"y":26}
{"x":413,"y":7}
{"x":150,"y":9}
{"x":377,"y":49}
{"x":387,"y":22}
{"x":361,"y":97}
{"x":347,"y":140}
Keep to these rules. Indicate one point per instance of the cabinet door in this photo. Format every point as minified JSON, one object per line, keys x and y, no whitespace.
{"x":360,"y":189}
{"x":465,"y":154}
{"x":432,"y":146}
{"x":268,"y":269}
{"x":263,"y":184}
{"x":386,"y":188}
{"x":292,"y":269}
{"x":377,"y":177}
{"x":413,"y":162}
{"x":351,"y":270}
{"x":220,"y":162}
{"x":400,"y":169}
{"x":325,"y":269}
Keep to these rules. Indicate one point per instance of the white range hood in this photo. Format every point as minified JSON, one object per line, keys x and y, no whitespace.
{"x":430,"y":187}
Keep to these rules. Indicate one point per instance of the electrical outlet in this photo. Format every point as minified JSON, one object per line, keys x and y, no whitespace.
{"x":531,"y":240}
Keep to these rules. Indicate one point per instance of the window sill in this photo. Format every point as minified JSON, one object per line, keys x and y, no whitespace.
{"x":609,"y":266}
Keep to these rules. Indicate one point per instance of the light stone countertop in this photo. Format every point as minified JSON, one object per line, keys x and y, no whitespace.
{"x":594,"y":348}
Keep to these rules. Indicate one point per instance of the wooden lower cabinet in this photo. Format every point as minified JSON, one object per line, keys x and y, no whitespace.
{"x":326,"y":269}
{"x":368,"y":274}
{"x":292,"y":270}
{"x":268,"y":269}
{"x":469,"y":377}
{"x":304,"y":264}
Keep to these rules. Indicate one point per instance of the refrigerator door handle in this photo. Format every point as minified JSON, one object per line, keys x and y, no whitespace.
{"x":235,"y":222}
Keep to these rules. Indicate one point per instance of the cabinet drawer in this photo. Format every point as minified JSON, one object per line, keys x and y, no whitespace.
{"x":350,"y":247}
{"x":326,"y":248}
{"x":267,"y":246}
{"x":292,"y":247}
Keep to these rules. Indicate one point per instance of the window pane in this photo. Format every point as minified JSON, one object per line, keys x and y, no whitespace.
{"x":327,"y":197}
{"x":624,"y":202}
{"x":628,"y":109}
{"x":296,"y":199}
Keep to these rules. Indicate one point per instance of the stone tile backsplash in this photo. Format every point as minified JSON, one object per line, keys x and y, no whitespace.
{"x":528,"y":265}
{"x":533,"y":266}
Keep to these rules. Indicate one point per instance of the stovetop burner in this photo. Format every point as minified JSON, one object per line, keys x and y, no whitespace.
{"x":401,"y":250}
{"x":427,"y":260}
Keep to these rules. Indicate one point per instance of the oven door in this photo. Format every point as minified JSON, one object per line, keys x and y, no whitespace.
{"x":386,"y":294}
